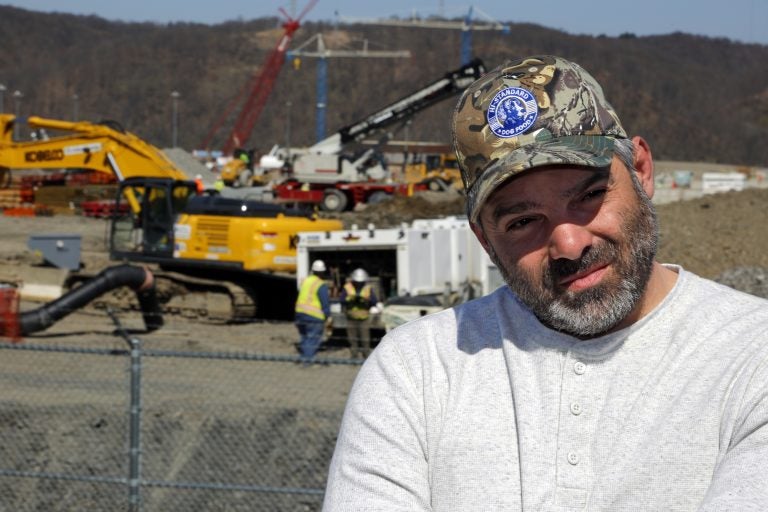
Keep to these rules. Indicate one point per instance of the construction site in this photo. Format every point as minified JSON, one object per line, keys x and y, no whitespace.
{"x":188,"y":396}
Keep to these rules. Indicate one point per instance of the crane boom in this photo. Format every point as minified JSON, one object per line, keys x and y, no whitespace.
{"x":261,"y":86}
{"x":260,"y":91}
{"x":450,"y":84}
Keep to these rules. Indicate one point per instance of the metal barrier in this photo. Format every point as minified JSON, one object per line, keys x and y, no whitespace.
{"x":136,"y":429}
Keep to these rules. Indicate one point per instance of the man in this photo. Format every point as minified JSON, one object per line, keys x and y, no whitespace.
{"x":313,"y":311}
{"x":598,"y":379}
{"x":357,"y":298}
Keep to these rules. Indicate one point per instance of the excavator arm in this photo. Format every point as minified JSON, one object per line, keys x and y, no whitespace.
{"x":101,"y":147}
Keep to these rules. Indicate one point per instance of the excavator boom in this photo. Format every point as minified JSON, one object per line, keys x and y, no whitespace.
{"x":100,"y":147}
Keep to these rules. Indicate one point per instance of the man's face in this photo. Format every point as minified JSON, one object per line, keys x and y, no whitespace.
{"x":576,"y":245}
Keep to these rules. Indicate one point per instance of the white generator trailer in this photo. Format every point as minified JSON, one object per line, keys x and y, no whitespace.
{"x":414,"y":270}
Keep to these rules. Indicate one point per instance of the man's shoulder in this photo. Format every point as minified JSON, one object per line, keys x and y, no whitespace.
{"x":472,"y":322}
{"x":706,"y":307}
{"x":722,"y":297}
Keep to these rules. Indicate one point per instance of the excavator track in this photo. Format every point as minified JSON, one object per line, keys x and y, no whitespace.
{"x":185,"y":296}
{"x":230,"y":297}
{"x":205,"y":299}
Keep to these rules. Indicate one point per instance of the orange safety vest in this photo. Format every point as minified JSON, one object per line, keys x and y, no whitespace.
{"x":308,"y":301}
{"x":358,"y":304}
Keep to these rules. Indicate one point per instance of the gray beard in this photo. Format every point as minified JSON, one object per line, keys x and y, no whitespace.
{"x":595,"y":310}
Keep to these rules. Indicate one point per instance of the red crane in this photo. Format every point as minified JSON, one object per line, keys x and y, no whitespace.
{"x":258,"y":89}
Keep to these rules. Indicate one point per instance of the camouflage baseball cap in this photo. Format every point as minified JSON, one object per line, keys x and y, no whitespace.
{"x":533,"y":112}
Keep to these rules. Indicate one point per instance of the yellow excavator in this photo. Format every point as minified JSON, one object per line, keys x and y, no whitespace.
{"x":228,"y":258}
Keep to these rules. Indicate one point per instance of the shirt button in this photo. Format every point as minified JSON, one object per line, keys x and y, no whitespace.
{"x":576,"y":408}
{"x":573,"y":458}
{"x":579,"y":368}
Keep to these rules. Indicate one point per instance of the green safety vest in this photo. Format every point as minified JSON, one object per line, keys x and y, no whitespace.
{"x":308,"y":301}
{"x":358,"y":304}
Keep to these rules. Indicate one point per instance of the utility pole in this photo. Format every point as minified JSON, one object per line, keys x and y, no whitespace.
{"x":175,"y":95}
{"x":17,"y":95}
{"x":75,"y":107}
{"x":288,"y":106}
{"x":322,"y":53}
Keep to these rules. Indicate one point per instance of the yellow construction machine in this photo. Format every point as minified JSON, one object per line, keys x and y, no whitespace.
{"x":103,"y":147}
{"x":227,"y":258}
{"x":439,"y":171}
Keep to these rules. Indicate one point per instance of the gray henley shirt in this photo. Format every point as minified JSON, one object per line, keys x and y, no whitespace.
{"x":482,"y":408}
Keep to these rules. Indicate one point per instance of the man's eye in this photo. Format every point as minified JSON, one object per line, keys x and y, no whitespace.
{"x":519,"y":223}
{"x":594,"y":194}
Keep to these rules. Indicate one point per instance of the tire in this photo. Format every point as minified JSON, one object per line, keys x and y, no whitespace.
{"x":378,"y":197}
{"x":437,"y":185}
{"x":243,"y":179}
{"x":334,"y":201}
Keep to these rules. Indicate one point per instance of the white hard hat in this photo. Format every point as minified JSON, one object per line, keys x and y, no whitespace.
{"x":359,"y":275}
{"x":318,"y":266}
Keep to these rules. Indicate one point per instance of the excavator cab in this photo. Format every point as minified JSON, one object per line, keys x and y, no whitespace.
{"x":144,"y":230}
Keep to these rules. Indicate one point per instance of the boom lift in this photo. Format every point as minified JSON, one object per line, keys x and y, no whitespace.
{"x":338,"y":172}
{"x":230,"y":250}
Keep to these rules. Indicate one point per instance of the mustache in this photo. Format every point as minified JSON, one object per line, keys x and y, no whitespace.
{"x":601,"y":253}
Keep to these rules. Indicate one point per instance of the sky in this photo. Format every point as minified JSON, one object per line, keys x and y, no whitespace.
{"x":739,"y":20}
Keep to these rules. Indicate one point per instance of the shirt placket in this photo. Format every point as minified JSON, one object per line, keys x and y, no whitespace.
{"x":576,"y":428}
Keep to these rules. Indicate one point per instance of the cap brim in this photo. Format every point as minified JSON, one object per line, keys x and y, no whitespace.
{"x":574,"y":150}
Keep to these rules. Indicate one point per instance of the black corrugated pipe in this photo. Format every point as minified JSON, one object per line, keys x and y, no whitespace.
{"x":138,"y":278}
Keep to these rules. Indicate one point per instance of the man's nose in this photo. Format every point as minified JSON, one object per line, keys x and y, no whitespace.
{"x":568,"y":241}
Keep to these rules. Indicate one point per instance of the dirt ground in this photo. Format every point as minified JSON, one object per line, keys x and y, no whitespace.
{"x":716,"y":236}
{"x":720,"y":236}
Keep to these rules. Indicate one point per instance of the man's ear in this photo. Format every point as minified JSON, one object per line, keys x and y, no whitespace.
{"x":478,"y":231}
{"x":644,"y":164}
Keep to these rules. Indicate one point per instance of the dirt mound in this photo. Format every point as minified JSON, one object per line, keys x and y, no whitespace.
{"x":716,"y":233}
{"x":393,"y":212}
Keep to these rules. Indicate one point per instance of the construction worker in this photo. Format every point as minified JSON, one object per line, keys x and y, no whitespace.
{"x":313,"y":311}
{"x":199,"y":185}
{"x":358,"y":300}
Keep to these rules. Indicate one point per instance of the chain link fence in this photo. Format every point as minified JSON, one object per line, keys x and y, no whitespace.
{"x":141,"y":429}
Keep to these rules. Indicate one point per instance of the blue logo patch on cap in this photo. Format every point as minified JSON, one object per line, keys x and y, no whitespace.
{"x":512,"y":111}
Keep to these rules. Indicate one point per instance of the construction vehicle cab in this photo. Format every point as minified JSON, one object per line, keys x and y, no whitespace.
{"x":145,"y":230}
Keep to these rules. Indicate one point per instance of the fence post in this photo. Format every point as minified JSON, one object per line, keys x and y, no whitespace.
{"x":134,"y":468}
